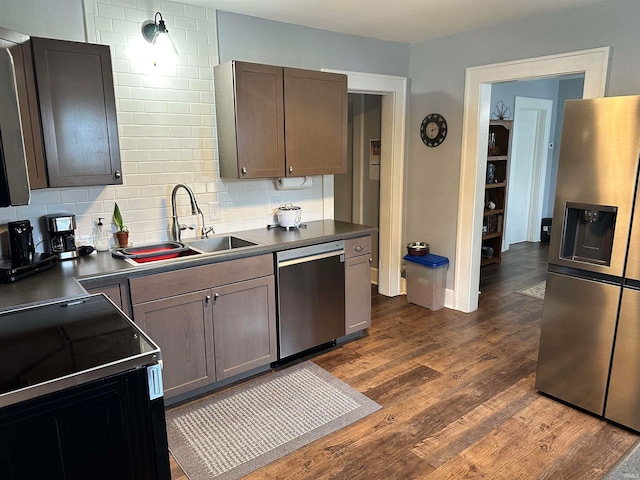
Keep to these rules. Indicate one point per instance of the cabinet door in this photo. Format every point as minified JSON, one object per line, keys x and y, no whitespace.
{"x":358,"y":293}
{"x":315,"y":112}
{"x":250,"y":122}
{"x":181,"y":326}
{"x":117,"y":293}
{"x":78,"y":115}
{"x":244,"y":320}
{"x":100,"y":430}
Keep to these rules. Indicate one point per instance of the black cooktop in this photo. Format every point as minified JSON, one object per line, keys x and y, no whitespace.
{"x":68,"y":343}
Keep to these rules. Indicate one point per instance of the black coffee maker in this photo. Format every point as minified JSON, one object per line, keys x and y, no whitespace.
{"x":61,"y":235}
{"x":21,"y":245}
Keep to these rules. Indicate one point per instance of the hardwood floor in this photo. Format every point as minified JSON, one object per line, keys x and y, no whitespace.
{"x":458,"y":395}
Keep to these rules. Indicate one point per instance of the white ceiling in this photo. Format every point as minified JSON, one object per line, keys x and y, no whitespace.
{"x":408,"y":21}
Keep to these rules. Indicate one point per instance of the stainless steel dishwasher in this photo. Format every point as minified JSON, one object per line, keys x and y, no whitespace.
{"x":310,"y":297}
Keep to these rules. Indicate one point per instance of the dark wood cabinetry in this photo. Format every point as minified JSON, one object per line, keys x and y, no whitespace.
{"x":100,"y":430}
{"x":68,"y":113}
{"x":211,"y":322}
{"x":244,"y":326}
{"x":276,"y":121}
{"x":181,"y":325}
{"x":77,"y":111}
{"x":117,"y":292}
{"x":357,"y":283}
{"x":495,"y":192}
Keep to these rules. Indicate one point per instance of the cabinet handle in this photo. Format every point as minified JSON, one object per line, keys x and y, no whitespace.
{"x":370,"y":260}
{"x":290,"y":169}
{"x":207,"y":299}
{"x":358,"y":248}
{"x":216,"y":296}
{"x":244,"y":170}
{"x":117,"y":174}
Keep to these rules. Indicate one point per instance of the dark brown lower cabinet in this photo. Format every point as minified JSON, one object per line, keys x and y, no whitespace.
{"x":182,"y":328}
{"x":244,"y":326}
{"x":100,"y":430}
{"x":211,"y":322}
{"x":357,"y":271}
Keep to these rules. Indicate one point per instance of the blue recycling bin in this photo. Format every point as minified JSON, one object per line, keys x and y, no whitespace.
{"x":426,"y":280}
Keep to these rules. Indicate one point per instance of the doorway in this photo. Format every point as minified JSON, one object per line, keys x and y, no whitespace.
{"x":357,"y":193}
{"x":478,"y":80}
{"x":393,"y":91}
{"x":528,"y":165}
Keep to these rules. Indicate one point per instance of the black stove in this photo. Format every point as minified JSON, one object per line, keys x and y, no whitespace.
{"x":15,"y":269}
{"x":49,"y":347}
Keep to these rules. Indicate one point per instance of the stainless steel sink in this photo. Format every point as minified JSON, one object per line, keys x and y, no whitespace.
{"x":218,"y":244}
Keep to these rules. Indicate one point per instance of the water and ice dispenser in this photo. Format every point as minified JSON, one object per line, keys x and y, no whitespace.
{"x":588,"y":233}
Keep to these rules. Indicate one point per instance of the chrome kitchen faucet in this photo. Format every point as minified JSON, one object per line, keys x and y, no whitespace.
{"x":195,"y":210}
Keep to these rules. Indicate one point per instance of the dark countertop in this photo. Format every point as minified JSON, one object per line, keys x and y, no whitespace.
{"x":64,"y":280}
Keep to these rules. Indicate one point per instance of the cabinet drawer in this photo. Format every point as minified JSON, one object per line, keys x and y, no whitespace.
{"x":357,"y":246}
{"x":162,"y":285}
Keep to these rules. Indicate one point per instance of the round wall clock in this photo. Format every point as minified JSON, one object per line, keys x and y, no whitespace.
{"x":433,"y":130}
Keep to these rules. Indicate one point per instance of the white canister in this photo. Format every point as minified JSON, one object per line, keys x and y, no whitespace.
{"x":289,"y":215}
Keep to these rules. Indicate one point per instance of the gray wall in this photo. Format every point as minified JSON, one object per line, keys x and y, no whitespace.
{"x":437,"y":85}
{"x":567,"y":89}
{"x":241,"y":37}
{"x":62,"y":19}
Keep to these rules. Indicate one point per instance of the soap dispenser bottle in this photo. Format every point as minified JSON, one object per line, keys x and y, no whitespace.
{"x":100,"y":237}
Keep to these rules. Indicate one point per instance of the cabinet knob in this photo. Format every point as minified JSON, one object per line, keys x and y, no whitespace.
{"x":207,"y":298}
{"x":358,"y":248}
{"x":244,"y":170}
{"x":117,"y":174}
{"x":290,"y":169}
{"x":216,"y":296}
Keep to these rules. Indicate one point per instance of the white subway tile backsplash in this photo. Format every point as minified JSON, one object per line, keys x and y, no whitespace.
{"x":200,"y":85}
{"x":186,"y":23}
{"x":122,"y":91}
{"x":167,"y":95}
{"x":143,"y":13}
{"x":141,"y":93}
{"x":110,"y":11}
{"x":178,"y":83}
{"x":196,"y":12}
{"x":102,"y":23}
{"x":126,"y":105}
{"x":76,"y":195}
{"x":129,"y":79}
{"x":113,"y":38}
{"x":127,"y":26}
{"x":188,"y":96}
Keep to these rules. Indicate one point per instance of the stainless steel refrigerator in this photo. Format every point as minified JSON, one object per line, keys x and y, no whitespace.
{"x":589,"y":352}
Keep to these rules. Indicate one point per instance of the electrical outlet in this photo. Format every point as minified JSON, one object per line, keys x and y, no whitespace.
{"x":214,"y":211}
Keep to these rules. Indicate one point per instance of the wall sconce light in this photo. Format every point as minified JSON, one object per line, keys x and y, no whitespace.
{"x":155,"y":32}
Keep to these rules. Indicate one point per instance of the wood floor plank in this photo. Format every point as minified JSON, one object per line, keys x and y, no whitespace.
{"x":457,"y":394}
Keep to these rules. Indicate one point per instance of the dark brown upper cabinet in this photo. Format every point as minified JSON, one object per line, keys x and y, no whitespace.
{"x":277,"y":121}
{"x":74,"y":84}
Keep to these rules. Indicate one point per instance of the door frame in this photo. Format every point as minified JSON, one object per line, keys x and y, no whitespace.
{"x":593,"y":63}
{"x":539,"y":165}
{"x":392,"y":160}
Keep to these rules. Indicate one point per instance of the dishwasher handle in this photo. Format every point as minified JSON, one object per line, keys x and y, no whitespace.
{"x":311,"y":258}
